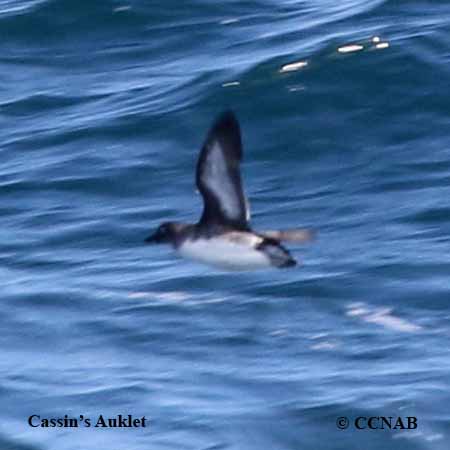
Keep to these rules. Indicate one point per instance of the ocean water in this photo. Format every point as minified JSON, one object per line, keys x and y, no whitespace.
{"x":103,"y":108}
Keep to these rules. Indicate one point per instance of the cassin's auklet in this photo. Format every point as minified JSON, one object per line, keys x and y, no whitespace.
{"x":223,"y":236}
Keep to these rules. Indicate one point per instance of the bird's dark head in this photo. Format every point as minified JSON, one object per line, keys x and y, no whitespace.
{"x":165,"y":233}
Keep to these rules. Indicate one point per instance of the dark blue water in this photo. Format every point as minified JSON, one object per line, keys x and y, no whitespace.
{"x":103,"y":108}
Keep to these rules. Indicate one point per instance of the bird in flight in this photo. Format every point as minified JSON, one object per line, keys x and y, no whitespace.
{"x":223,"y":237}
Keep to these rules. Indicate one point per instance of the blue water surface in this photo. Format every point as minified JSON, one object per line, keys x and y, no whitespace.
{"x":103,"y":108}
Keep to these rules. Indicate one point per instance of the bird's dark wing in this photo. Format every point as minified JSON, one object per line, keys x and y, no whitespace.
{"x":293,"y":235}
{"x":218,"y":175}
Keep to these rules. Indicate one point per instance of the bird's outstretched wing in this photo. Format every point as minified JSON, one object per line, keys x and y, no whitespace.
{"x":293,"y":235}
{"x":218,"y":175}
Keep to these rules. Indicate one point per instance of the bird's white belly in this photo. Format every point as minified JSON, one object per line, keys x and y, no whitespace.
{"x":225,"y":254}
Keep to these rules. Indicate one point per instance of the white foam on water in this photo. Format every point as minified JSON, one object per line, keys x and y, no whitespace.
{"x":323,"y":342}
{"x":325,"y":345}
{"x":350,"y":48}
{"x":292,"y":67}
{"x":231,"y":83}
{"x":123,"y":8}
{"x":173,"y":296}
{"x":382,"y":317}
{"x":416,"y":434}
{"x":318,"y":336}
{"x":382,"y":45}
{"x":229,"y":21}
{"x":279,"y":332}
